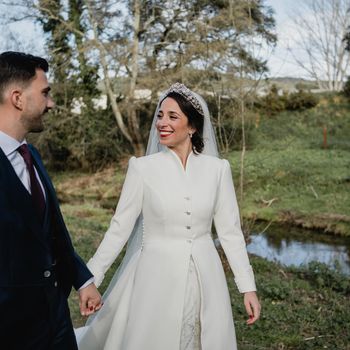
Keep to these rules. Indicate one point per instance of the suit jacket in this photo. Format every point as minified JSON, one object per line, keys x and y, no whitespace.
{"x":31,"y":251}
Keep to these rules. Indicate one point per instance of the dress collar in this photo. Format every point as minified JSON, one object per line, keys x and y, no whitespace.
{"x":174,"y":154}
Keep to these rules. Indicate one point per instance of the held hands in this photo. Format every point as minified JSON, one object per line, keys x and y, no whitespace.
{"x":252,"y":307}
{"x":89,"y":300}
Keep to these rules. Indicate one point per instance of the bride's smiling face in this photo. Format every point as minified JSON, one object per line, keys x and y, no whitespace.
{"x":172,"y":125}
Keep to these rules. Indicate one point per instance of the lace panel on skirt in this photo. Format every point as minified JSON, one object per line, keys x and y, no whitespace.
{"x":191,"y":328}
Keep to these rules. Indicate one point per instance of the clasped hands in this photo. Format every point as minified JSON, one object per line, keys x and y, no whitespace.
{"x":89,"y":300}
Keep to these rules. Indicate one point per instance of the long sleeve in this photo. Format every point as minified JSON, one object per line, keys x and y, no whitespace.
{"x":228,"y":226}
{"x":128,"y":209}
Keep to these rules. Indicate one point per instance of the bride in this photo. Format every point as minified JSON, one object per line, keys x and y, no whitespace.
{"x":170,"y":291}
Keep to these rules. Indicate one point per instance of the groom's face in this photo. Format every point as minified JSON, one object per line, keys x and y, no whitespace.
{"x":36,"y":102}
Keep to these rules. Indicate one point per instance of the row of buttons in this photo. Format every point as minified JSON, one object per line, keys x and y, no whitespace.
{"x":47,"y":274}
{"x":188,"y":213}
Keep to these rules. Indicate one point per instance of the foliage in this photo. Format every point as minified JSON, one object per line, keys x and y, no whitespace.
{"x":296,"y":313}
{"x":275,"y":102}
{"x":346,"y":89}
{"x":71,"y":140}
{"x":86,"y":141}
{"x":300,"y":100}
{"x":286,"y":163}
{"x":322,"y":277}
{"x":272,"y":103}
{"x":306,"y":86}
{"x":208,"y":45}
{"x":347,"y":40}
{"x":212,"y":32}
{"x":226,"y":119}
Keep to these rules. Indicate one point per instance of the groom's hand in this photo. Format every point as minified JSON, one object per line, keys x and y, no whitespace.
{"x":89,"y":300}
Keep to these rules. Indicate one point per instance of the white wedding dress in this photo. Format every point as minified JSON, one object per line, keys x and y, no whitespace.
{"x":172,"y":294}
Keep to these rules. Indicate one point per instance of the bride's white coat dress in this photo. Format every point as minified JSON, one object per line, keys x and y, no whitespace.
{"x":144,"y":311}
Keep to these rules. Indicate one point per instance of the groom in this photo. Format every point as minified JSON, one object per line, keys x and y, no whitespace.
{"x":38,"y":264}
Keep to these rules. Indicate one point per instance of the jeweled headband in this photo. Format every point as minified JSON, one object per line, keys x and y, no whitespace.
{"x":186,"y":93}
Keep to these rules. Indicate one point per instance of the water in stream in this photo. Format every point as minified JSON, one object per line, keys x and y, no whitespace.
{"x":294,"y":246}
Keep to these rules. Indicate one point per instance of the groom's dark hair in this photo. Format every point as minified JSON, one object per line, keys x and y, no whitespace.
{"x":19,"y":67}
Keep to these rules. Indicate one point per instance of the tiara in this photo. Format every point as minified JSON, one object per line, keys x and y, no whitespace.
{"x":186,"y":93}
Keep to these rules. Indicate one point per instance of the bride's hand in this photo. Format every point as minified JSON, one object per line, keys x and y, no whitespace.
{"x":252,"y":306}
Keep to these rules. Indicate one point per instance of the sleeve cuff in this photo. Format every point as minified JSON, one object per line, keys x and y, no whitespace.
{"x":98,"y":276}
{"x":246,"y":283}
{"x":87,"y":283}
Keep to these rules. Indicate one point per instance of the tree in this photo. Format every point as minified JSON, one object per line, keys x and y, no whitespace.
{"x":142,"y":44}
{"x":322,"y":25}
{"x":346,"y":89}
{"x":212,"y":46}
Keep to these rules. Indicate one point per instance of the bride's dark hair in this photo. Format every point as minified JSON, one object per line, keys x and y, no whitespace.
{"x":195,"y":120}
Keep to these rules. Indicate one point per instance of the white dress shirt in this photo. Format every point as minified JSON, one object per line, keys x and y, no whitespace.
{"x":9,"y":146}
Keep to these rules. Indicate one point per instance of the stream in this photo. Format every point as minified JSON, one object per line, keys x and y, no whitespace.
{"x":294,"y":246}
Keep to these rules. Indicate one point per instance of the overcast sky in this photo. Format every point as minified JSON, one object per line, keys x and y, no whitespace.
{"x":28,"y":37}
{"x":281,"y":62}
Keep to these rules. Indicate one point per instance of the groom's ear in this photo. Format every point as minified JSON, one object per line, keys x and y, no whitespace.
{"x":15,"y":97}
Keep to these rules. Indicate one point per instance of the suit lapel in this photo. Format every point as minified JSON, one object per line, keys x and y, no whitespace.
{"x":19,"y":196}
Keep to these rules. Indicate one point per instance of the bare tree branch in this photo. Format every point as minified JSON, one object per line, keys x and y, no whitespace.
{"x":322,"y":26}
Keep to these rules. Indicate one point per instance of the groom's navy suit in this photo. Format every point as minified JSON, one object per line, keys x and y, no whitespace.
{"x":38,"y":264}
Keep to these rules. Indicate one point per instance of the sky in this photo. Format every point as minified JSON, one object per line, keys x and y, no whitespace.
{"x":28,"y":37}
{"x":281,"y":61}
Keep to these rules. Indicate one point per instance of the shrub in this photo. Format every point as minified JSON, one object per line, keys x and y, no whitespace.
{"x":322,"y":276}
{"x":346,"y":89}
{"x":300,"y":100}
{"x":274,"y":103}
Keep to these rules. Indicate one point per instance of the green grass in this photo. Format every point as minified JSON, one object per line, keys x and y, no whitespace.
{"x":301,"y":309}
{"x":310,"y":188}
{"x":287,"y":165}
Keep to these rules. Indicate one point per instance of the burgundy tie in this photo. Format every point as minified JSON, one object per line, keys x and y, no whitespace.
{"x":35,"y":188}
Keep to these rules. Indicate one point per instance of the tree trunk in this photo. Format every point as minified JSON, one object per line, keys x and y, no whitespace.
{"x":134,"y":125}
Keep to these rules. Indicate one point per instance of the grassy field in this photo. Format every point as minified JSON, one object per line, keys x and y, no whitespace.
{"x":289,"y":178}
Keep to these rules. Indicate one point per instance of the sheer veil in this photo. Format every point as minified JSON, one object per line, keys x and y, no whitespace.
{"x":210,"y":146}
{"x":134,"y":244}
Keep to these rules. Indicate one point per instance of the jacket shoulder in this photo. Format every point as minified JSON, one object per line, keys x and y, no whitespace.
{"x":215,"y":162}
{"x":145,"y":162}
